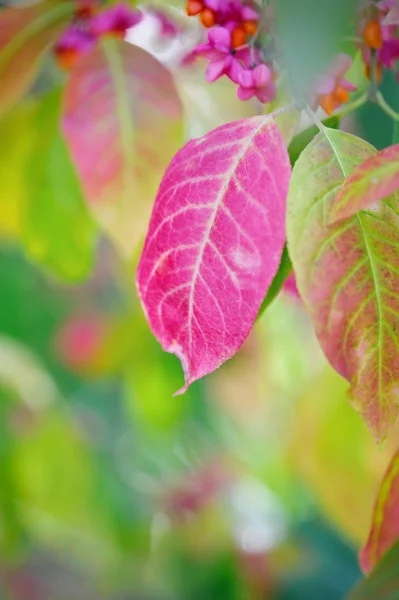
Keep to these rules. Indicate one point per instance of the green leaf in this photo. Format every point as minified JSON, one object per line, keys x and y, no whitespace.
{"x":304,"y":138}
{"x":39,"y":182}
{"x":383,"y":583}
{"x":348,"y":275}
{"x":284,"y":270}
{"x":25,"y":33}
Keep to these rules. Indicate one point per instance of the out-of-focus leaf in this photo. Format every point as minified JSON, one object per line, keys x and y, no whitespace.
{"x":334,"y":453}
{"x":56,"y":486}
{"x":214,"y":242}
{"x":25,"y":33}
{"x":385,"y":525}
{"x":383,"y":582}
{"x":49,"y":214}
{"x":122,"y":122}
{"x":311,"y":32}
{"x":300,"y":141}
{"x":371,"y":181}
{"x":347,"y":275}
{"x":21,"y":372}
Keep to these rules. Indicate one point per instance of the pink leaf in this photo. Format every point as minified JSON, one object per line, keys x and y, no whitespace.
{"x":122,"y":122}
{"x":214,"y":242}
{"x":385,"y":526}
{"x":371,"y":181}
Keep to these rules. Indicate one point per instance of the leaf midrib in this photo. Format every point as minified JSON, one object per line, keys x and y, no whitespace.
{"x":211,"y":221}
{"x":113,"y":54}
{"x":371,"y":262}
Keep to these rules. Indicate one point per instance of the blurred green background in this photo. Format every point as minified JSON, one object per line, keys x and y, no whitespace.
{"x":256,"y":484}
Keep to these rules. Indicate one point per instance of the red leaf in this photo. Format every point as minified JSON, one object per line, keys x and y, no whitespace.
{"x":385,"y":527}
{"x":122,"y":122}
{"x":371,"y":181}
{"x":214,"y":242}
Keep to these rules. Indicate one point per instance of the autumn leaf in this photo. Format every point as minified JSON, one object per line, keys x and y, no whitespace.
{"x":122,"y":122}
{"x":374,"y":179}
{"x":347,"y":275}
{"x":25,"y":33}
{"x":214,"y":242}
{"x":385,"y":524}
{"x":383,"y":582}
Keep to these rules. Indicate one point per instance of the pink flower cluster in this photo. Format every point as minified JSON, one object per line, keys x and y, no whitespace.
{"x":227,"y":13}
{"x":89,"y":25}
{"x":378,"y":28}
{"x":254,"y":79}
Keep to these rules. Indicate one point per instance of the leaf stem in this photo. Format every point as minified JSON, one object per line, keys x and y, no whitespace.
{"x":373,"y":89}
{"x":383,"y":104}
{"x":351,"y":106}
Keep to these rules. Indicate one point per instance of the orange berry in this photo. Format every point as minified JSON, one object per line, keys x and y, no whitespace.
{"x":208,"y":18}
{"x":327,"y":103}
{"x":238,"y":37}
{"x":372,"y":35}
{"x":66,"y":59}
{"x":194,"y":7}
{"x":250,"y":27}
{"x":378,"y":72}
{"x":340,"y":95}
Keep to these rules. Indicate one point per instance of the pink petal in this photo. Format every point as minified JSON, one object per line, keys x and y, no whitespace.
{"x":245,"y":93}
{"x":262,"y":75}
{"x":220,"y":37}
{"x":215,"y":69}
{"x":347,"y":85}
{"x":249,"y":14}
{"x":206,"y":51}
{"x":246,"y":78}
{"x":234,"y":70}
{"x":214,"y":5}
{"x":340,"y":65}
{"x":325,"y":84}
{"x":266,"y":94}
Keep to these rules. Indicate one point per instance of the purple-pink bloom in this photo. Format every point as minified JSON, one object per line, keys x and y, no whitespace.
{"x":222,"y":58}
{"x":326,"y":83}
{"x":231,"y":13}
{"x":168,"y":25}
{"x":392,"y":15}
{"x":115,"y":20}
{"x":256,"y":82}
{"x":71,"y":45}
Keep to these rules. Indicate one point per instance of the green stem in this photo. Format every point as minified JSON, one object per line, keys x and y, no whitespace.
{"x":373,"y":89}
{"x":383,"y":104}
{"x":351,"y":106}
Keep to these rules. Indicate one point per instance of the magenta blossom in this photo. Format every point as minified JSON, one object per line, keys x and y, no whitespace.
{"x":115,"y":20}
{"x":71,"y":45}
{"x":256,"y":82}
{"x":231,"y":13}
{"x":223,"y":60}
{"x":332,"y":89}
{"x":167,"y":24}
